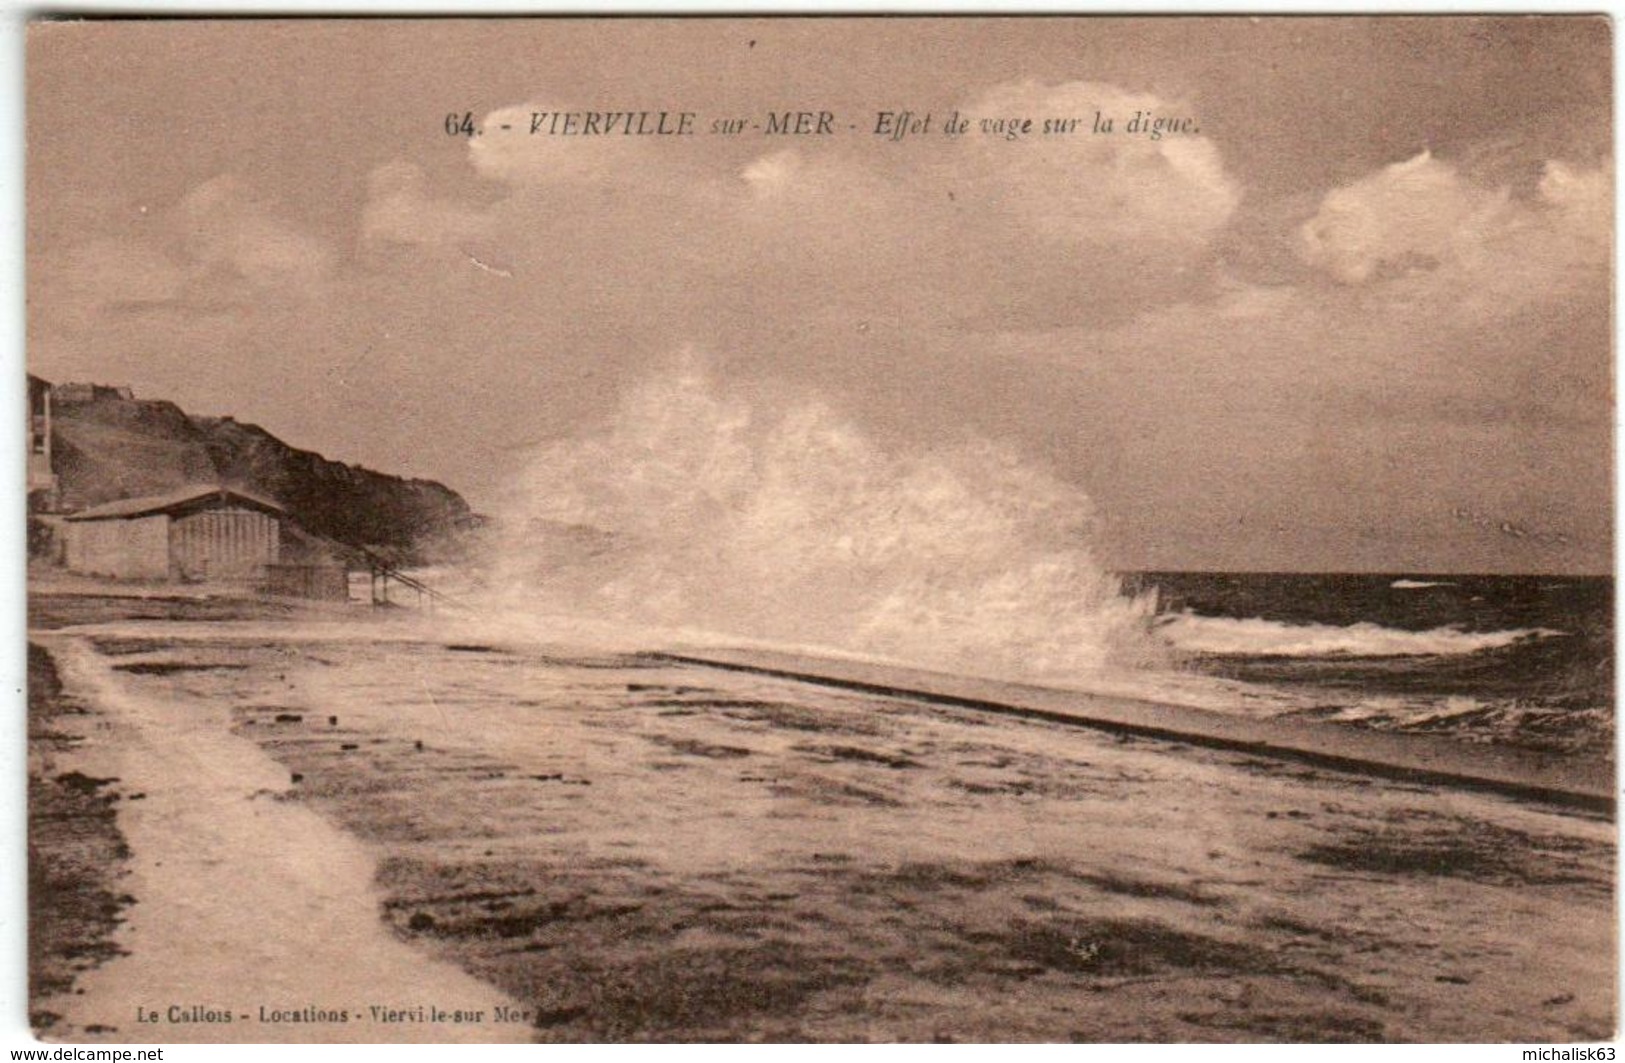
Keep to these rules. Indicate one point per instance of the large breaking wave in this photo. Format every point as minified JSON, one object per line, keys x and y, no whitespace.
{"x":785,"y":522}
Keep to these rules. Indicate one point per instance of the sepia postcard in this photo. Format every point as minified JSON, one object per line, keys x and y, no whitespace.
{"x":840,"y":529}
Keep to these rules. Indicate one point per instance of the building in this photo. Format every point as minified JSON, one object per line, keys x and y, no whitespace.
{"x":200,"y":533}
{"x":42,"y":485}
{"x":77,"y":394}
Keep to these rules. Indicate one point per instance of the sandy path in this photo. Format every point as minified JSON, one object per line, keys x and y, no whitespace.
{"x":244,"y":901}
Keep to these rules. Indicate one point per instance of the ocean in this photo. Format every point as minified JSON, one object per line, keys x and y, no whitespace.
{"x":1525,"y":661}
{"x":699,"y":515}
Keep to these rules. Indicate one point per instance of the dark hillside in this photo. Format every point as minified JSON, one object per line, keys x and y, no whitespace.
{"x":110,"y":447}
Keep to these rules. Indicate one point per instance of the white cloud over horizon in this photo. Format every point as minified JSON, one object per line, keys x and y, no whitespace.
{"x":1424,"y":216}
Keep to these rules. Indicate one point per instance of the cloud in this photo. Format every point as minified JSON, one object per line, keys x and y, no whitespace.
{"x":1572,"y":227}
{"x":772,"y":175}
{"x":1122,"y":190}
{"x":515,"y":156}
{"x":121,"y":274}
{"x":1583,"y":194}
{"x":977,"y":232}
{"x":1425,"y":217}
{"x":218,"y":250}
{"x":1410,"y":215}
{"x":983,"y":231}
{"x":233,"y":236}
{"x":398,"y":210}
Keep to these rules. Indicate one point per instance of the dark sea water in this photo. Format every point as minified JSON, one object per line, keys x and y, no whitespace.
{"x":1519,"y":660}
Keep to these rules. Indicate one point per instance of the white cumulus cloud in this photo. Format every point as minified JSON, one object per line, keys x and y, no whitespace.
{"x":1424,"y":216}
{"x":1119,"y":189}
{"x":399,"y":210}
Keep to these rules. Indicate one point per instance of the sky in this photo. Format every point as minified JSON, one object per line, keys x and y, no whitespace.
{"x":1358,"y":318}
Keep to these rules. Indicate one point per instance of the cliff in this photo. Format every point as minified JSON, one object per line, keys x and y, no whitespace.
{"x":109,"y":446}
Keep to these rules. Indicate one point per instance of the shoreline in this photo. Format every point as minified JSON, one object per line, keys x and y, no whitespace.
{"x":1422,"y":759}
{"x":636,"y":849}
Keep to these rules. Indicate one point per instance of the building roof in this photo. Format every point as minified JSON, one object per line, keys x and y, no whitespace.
{"x":197,"y":496}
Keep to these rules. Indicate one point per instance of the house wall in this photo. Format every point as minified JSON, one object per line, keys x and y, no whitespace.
{"x":42,"y":495}
{"x":126,"y":549}
{"x":223,"y":544}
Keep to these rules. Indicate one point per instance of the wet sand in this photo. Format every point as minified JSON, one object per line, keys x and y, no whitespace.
{"x":629,"y":849}
{"x":244,"y":917}
{"x":77,"y":856}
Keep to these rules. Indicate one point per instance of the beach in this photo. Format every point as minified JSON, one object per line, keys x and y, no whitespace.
{"x":998,"y":530}
{"x":356,"y":825}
